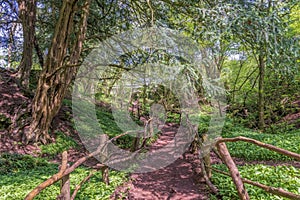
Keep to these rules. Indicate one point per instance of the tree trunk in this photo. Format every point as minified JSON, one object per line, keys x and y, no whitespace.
{"x":27,"y":13}
{"x":261,"y":102}
{"x":11,"y":44}
{"x":56,"y":75}
{"x":38,"y":52}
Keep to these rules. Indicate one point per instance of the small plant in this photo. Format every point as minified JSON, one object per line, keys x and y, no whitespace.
{"x":12,"y":163}
{"x":279,"y":176}
{"x":19,"y":174}
{"x":249,"y":151}
{"x":62,"y":143}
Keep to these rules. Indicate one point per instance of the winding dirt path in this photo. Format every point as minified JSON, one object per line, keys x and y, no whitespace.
{"x":179,"y":180}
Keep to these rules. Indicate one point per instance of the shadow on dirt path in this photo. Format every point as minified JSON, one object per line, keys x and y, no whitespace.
{"x":179,"y":180}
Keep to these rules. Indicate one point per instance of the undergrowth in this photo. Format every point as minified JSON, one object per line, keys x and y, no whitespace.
{"x":286,"y":177}
{"x":21,"y":174}
{"x":62,"y":143}
{"x":249,"y":151}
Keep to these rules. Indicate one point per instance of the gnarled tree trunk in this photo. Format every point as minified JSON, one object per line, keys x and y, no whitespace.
{"x":57,"y":73}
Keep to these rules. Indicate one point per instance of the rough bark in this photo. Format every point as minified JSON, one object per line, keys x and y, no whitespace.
{"x":56,"y":75}
{"x":27,"y":14}
{"x":206,"y":157}
{"x":234,"y":173}
{"x":105,"y":175}
{"x":11,"y":44}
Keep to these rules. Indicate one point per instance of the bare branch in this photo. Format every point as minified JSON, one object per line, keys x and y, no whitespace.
{"x":261,"y":144}
{"x":51,"y":180}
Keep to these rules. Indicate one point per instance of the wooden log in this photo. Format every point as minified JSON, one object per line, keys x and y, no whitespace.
{"x":234,"y":173}
{"x":67,"y":170}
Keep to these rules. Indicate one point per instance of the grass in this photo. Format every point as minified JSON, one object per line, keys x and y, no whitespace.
{"x":21,"y":174}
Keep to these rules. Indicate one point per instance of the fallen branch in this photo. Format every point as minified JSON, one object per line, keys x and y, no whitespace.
{"x":206,"y":177}
{"x":269,"y":189}
{"x":64,"y":188}
{"x":51,"y":180}
{"x":64,"y":170}
{"x":234,"y":173}
{"x":261,"y":144}
{"x":77,"y":188}
{"x":123,"y":134}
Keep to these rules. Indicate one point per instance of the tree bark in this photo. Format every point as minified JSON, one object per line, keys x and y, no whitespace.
{"x":105,"y":175}
{"x":38,"y":52}
{"x":261,"y":101}
{"x":11,"y":44}
{"x":206,"y":156}
{"x":57,"y":75}
{"x":27,"y":14}
{"x":234,"y":173}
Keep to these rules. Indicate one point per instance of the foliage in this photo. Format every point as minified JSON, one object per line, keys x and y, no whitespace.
{"x":286,"y":177}
{"x":295,"y":17}
{"x":62,"y":143}
{"x":27,"y":172}
{"x":110,"y":127}
{"x":14,"y":163}
{"x":249,"y":151}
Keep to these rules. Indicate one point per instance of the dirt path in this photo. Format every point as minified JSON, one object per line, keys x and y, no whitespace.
{"x":179,"y":180}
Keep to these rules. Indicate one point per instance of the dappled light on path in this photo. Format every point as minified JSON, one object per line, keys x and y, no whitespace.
{"x":179,"y":180}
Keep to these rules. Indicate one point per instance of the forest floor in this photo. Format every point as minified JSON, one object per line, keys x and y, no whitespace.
{"x":179,"y":180}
